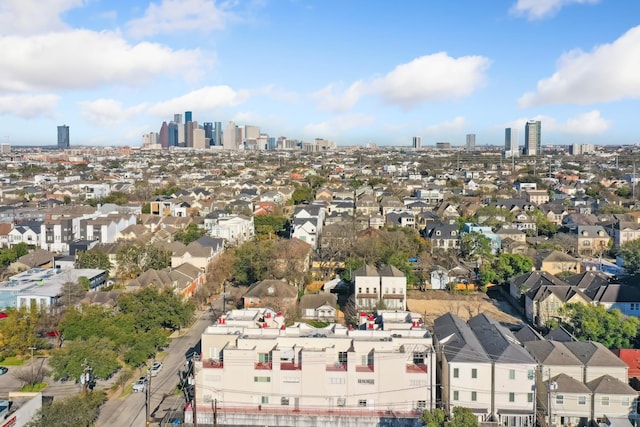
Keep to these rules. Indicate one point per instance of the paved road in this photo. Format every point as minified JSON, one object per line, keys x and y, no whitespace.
{"x":130,"y":411}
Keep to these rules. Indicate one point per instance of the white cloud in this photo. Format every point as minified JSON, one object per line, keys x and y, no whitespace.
{"x":539,"y":9}
{"x":608,"y":73}
{"x":28,"y":106}
{"x":435,"y":77}
{"x":334,"y":98}
{"x":589,"y":123}
{"x":86,"y":59}
{"x":455,"y":125}
{"x":171,"y":16}
{"x":338,"y":124}
{"x":206,"y":99}
{"x":108,"y":112}
{"x":26,"y":17}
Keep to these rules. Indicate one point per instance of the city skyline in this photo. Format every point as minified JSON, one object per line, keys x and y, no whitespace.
{"x":353,"y":73}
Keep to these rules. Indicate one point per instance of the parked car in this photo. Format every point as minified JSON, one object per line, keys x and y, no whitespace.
{"x":155,"y":368}
{"x":3,"y":370}
{"x":140,"y":385}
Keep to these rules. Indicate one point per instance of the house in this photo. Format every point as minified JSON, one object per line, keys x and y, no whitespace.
{"x":198,"y":253}
{"x":593,"y":240}
{"x":276,"y":294}
{"x":400,"y":219}
{"x":465,"y":369}
{"x":543,"y":302}
{"x":385,"y":287}
{"x":442,"y":235}
{"x":556,"y":262}
{"x":519,"y":285}
{"x":320,"y":307}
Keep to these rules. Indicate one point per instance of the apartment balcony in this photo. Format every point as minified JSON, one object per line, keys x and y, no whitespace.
{"x":364,"y":368}
{"x":337,"y":367}
{"x":266,"y":366}
{"x":215,"y":364}
{"x":290,"y":366}
{"x":417,"y":369}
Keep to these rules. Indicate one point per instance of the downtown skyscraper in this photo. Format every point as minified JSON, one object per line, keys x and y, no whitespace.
{"x":532,"y":138}
{"x":63,"y":137}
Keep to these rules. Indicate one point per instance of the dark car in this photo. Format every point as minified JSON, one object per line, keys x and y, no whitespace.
{"x":3,"y":370}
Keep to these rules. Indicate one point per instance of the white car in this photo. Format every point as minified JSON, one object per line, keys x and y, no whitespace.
{"x":140,"y":386}
{"x":155,"y":368}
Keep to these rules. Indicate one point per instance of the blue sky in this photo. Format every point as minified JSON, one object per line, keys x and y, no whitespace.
{"x":353,"y":71}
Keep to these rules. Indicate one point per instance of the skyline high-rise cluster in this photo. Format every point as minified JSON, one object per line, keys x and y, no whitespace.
{"x":211,"y":135}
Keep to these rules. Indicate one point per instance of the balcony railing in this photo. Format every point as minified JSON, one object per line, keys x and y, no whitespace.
{"x":263,"y":365}
{"x":418,"y":369}
{"x":216,"y":364}
{"x":290,"y":366}
{"x":337,"y":367}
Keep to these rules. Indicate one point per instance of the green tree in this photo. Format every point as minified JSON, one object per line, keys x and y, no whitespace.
{"x":93,"y":258}
{"x":146,"y":208}
{"x":18,"y":330}
{"x":267,"y":226}
{"x":96,"y":353}
{"x":435,"y":418}
{"x":504,"y":267}
{"x":595,"y":323}
{"x":72,"y":411}
{"x":251,"y":261}
{"x":630,"y":254}
{"x":302,"y":193}
{"x":543,"y":225}
{"x":474,"y":245}
{"x":463,"y":417}
{"x":155,"y":308}
{"x":191,"y":233}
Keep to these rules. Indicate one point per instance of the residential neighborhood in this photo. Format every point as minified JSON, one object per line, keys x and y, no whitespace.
{"x":373,"y":294}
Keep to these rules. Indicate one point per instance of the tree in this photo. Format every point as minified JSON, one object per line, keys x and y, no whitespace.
{"x":269,"y":225}
{"x":251,"y":261}
{"x":70,"y":294}
{"x":630,"y":254}
{"x":474,"y":245}
{"x":123,"y":377}
{"x":190,"y":234}
{"x":595,"y":323}
{"x":72,"y":411}
{"x":31,"y":376}
{"x":97,"y":353}
{"x":302,"y":193}
{"x":153,"y":308}
{"x":18,"y":330}
{"x":133,"y":259}
{"x":504,"y":267}
{"x":435,"y":418}
{"x":463,"y":417}
{"x":93,"y":258}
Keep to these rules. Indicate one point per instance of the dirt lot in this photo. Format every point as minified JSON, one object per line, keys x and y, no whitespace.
{"x":432,"y":304}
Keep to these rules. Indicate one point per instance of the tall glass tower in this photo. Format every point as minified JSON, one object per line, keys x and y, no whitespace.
{"x":532,"y":138}
{"x":63,"y":137}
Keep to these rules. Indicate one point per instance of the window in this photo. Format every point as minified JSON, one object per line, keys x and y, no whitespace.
{"x":512,"y":374}
{"x":605,"y":401}
{"x":336,"y":380}
{"x":455,"y":395}
{"x":474,"y":373}
{"x":362,"y":403}
{"x":529,"y":397}
{"x":342,"y":357}
{"x":635,"y":306}
{"x":530,"y":374}
{"x":582,"y":400}
{"x":474,"y":396}
{"x":624,"y":401}
{"x":264,"y":357}
{"x":342,"y":401}
{"x":512,"y":397}
{"x":456,"y":373}
{"x":265,"y":399}
{"x":367,"y":290}
{"x":559,"y":399}
{"x":284,"y":401}
{"x":365,"y":381}
{"x":359,"y":290}
{"x":422,"y":405}
{"x":261,"y":379}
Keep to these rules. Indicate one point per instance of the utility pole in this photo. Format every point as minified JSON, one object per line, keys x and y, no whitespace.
{"x":33,"y":380}
{"x":148,"y":398}
{"x":215,"y":412}
{"x":195,"y":410}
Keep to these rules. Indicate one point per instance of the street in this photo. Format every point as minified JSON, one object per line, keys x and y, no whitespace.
{"x":130,"y":410}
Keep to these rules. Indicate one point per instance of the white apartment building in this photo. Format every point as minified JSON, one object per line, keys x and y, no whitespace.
{"x":255,"y":369}
{"x":235,"y":229}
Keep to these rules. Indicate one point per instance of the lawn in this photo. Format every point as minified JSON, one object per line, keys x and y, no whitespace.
{"x":13,"y":361}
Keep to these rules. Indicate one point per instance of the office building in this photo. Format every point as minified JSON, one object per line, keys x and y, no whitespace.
{"x":229,"y":139}
{"x":189,"y":129}
{"x":532,"y":138}
{"x":199,"y":139}
{"x":443,"y":146}
{"x":163,"y":136}
{"x":63,"y":137}
{"x":217,"y":134}
{"x":188,"y":116}
{"x":417,"y":142}
{"x":471,"y":142}
{"x":173,"y":134}
{"x":511,"y":143}
{"x":208,"y":132}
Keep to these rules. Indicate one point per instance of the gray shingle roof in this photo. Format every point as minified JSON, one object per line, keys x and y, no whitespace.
{"x":459,"y":342}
